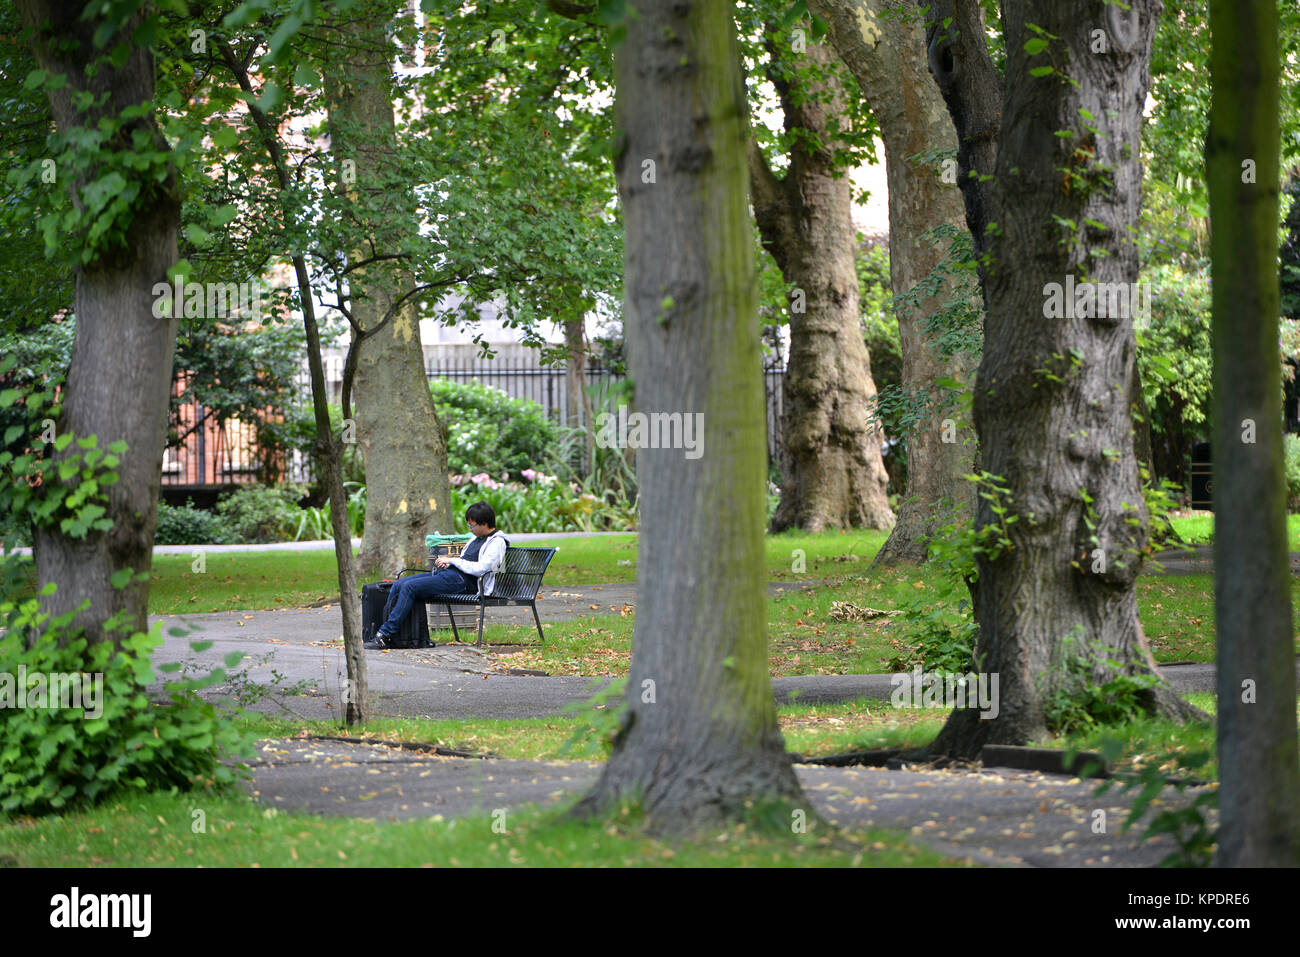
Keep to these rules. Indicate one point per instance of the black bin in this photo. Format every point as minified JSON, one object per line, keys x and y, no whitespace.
{"x":1202,"y":477}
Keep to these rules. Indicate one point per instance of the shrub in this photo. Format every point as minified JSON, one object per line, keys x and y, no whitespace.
{"x":487,"y":431}
{"x":260,"y":514}
{"x":51,"y":758}
{"x":188,"y":525}
{"x":543,"y":505}
{"x":1173,"y":358}
{"x":1079,"y":701}
{"x":1291,"y":456}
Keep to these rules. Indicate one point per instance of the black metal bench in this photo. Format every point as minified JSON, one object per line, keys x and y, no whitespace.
{"x":518,"y":579}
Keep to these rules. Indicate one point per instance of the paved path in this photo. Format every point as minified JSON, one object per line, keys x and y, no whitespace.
{"x":456,"y":681}
{"x":1009,"y":818}
{"x":990,"y":816}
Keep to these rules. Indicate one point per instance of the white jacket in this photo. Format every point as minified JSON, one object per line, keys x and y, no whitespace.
{"x":490,"y":554}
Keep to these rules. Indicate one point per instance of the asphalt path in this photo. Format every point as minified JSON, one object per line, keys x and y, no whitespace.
{"x":981,"y":815}
{"x":301,"y":650}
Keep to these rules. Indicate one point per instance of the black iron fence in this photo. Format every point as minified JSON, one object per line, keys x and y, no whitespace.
{"x":216,"y":454}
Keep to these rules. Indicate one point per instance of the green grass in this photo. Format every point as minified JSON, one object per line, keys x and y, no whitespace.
{"x":1197,"y":528}
{"x":1177,"y":614}
{"x":156,"y":831}
{"x":1176,"y":611}
{"x":292,"y":579}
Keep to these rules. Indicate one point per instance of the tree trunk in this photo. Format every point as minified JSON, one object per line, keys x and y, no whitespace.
{"x":832,"y":473}
{"x":699,"y":741}
{"x":329,"y":448}
{"x":120,"y":377}
{"x":1259,"y":766}
{"x":1052,"y":390}
{"x":575,"y":382}
{"x":886,"y":55}
{"x":403,"y":444}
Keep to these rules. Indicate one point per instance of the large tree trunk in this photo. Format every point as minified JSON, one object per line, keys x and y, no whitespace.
{"x":1052,"y":391}
{"x":120,"y":376}
{"x":1259,"y":766}
{"x":699,"y":741}
{"x":402,"y":442}
{"x":832,"y":473}
{"x":886,"y":55}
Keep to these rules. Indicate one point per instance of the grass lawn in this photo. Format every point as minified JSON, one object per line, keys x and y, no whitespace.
{"x":809,"y":730}
{"x":154,"y":830}
{"x":1177,"y":614}
{"x":804,"y":637}
{"x":1197,"y":528}
{"x":292,"y":579}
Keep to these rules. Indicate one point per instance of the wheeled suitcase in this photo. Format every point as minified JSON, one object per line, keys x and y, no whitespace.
{"x":375,"y":607}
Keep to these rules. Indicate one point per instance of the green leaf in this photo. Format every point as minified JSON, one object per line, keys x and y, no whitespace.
{"x":1035,"y":46}
{"x":200,"y":645}
{"x":121,"y":578}
{"x":1042,"y":71}
{"x":225,"y":137}
{"x":234,"y":658}
{"x":305,"y":76}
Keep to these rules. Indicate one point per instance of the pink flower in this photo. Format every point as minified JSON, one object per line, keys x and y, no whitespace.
{"x":529,"y":474}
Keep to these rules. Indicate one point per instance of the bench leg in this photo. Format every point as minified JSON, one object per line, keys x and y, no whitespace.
{"x":481,"y":609}
{"x":533,"y":606}
{"x":454,"y":632}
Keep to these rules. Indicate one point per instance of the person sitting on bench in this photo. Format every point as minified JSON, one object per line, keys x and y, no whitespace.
{"x":455,"y":576}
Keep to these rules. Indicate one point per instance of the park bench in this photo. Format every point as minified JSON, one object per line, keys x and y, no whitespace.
{"x":518,"y":579}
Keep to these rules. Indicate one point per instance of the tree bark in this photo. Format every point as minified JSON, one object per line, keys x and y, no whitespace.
{"x":403,"y":444}
{"x":120,"y":377}
{"x":1052,"y":391}
{"x":886,"y":55}
{"x":832,"y":473}
{"x":1259,"y":765}
{"x":699,"y":741}
{"x":575,"y":383}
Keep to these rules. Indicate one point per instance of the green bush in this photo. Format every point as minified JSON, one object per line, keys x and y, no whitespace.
{"x":1291,"y":456}
{"x":52,"y":758}
{"x":487,"y":431}
{"x":257,"y":514}
{"x":1078,"y":702}
{"x":1173,"y":359}
{"x":544,"y":505}
{"x":188,"y":525}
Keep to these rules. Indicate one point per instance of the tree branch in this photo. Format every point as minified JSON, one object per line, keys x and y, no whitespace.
{"x":972,"y":88}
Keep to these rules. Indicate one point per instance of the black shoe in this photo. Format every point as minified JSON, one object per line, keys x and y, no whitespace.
{"x":376,"y":642}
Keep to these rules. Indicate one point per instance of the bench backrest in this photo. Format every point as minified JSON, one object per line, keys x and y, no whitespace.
{"x":520,"y":573}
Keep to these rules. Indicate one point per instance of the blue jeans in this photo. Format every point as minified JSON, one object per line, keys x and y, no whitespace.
{"x":407,"y":591}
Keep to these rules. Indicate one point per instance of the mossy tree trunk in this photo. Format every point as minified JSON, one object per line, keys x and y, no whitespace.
{"x":120,"y":377}
{"x":1259,"y":767}
{"x":403,"y":444}
{"x":1050,"y":175}
{"x":699,"y":742}
{"x":832,"y":472}
{"x":886,"y":55}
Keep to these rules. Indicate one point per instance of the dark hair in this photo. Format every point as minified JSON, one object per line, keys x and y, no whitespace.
{"x":482,"y":514}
